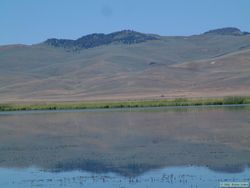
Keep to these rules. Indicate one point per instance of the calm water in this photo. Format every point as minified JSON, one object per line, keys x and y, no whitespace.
{"x":152,"y":147}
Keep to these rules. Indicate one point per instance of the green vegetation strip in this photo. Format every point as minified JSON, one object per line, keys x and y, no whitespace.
{"x":127,"y":104}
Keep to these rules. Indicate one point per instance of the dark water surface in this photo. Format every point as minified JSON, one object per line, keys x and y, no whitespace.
{"x":151,"y":147}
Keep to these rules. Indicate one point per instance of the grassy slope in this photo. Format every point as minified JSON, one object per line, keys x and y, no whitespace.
{"x":121,"y":72}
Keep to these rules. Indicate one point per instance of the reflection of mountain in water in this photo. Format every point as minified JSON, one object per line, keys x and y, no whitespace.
{"x":232,"y":168}
{"x":129,"y":170}
{"x":127,"y":143}
{"x":138,"y":168}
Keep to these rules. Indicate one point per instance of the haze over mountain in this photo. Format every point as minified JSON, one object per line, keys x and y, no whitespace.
{"x":127,"y":65}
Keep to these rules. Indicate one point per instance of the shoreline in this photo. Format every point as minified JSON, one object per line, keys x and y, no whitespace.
{"x":234,"y":100}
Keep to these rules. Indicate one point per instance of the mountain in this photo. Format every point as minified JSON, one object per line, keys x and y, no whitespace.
{"x":99,"y":39}
{"x":228,"y":31}
{"x":126,"y":65}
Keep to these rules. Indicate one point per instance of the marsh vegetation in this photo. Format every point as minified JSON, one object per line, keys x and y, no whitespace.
{"x":127,"y":104}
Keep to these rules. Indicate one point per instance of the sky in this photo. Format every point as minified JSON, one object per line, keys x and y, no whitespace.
{"x":33,"y":21}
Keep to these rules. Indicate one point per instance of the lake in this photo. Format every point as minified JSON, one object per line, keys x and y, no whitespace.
{"x":144,"y":147}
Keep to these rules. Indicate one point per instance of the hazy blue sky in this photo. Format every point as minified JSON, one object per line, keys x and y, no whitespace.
{"x":32,"y":21}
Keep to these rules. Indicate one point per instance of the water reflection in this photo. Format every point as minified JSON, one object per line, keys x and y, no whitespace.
{"x":185,"y":177}
{"x":129,"y":143}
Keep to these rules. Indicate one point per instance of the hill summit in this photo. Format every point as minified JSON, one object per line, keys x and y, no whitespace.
{"x":125,"y":37}
{"x":98,"y":39}
{"x":227,"y":31}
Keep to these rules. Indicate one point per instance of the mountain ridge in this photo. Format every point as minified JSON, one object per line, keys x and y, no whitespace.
{"x":99,"y":39}
{"x":227,"y":31}
{"x":206,"y":65}
{"x":125,"y":37}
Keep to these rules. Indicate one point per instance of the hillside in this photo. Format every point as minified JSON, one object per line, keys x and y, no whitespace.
{"x":99,"y":39}
{"x":127,"y":65}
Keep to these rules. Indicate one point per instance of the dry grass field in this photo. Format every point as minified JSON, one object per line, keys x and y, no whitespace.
{"x":206,"y":65}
